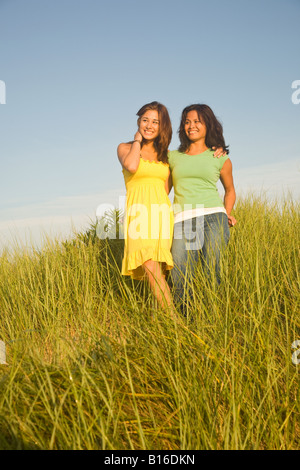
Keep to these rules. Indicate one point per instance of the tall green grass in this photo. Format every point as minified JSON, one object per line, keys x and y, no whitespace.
{"x":93,"y":364}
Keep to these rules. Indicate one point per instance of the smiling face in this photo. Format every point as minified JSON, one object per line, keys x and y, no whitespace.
{"x":194,"y":128}
{"x":149,"y":125}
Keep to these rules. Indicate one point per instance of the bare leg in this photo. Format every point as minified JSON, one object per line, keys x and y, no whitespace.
{"x":158,"y":283}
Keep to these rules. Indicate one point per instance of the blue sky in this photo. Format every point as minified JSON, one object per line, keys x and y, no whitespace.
{"x":77,"y":71}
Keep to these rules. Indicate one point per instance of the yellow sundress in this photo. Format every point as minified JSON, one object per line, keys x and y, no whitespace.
{"x":149,"y":220}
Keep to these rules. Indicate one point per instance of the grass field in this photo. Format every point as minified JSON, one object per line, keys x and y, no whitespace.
{"x":92,"y":364}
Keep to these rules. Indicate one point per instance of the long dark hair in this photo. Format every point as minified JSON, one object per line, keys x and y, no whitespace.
{"x":214,"y":129}
{"x":162,"y":141}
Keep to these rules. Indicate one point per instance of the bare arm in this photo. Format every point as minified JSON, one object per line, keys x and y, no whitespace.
{"x":230,"y":196}
{"x":129,"y":154}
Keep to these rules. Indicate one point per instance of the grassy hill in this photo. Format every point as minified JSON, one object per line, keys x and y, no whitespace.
{"x":93,"y":364}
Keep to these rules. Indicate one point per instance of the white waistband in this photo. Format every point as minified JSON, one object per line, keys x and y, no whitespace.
{"x":190,"y":214}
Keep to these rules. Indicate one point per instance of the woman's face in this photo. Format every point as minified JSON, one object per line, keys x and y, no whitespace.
{"x":194,"y":128}
{"x":149,"y":125}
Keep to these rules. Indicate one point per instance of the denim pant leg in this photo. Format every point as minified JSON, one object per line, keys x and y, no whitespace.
{"x":187,"y":243}
{"x":216,"y":237}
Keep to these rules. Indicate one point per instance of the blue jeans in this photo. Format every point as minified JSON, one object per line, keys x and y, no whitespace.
{"x":198,"y":239}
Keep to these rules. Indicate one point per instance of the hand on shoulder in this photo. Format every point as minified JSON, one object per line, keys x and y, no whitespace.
{"x":219,"y":152}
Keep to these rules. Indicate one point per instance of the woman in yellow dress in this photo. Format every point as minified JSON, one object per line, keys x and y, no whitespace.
{"x":149,"y":216}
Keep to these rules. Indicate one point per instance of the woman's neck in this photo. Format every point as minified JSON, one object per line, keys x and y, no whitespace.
{"x":148,"y":150}
{"x":197,"y":147}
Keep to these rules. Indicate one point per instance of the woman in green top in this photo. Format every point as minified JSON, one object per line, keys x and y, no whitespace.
{"x":202,"y":219}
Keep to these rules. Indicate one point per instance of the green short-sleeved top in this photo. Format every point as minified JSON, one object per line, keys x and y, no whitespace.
{"x":195,"y":178}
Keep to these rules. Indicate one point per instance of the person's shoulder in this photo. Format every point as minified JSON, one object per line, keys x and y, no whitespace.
{"x":171,"y":156}
{"x":217,"y":160}
{"x":123,"y":147}
{"x":209,"y":152}
{"x":173,"y":153}
{"x":222,"y":160}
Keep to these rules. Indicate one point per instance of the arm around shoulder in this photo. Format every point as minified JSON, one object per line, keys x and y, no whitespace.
{"x":169,"y":183}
